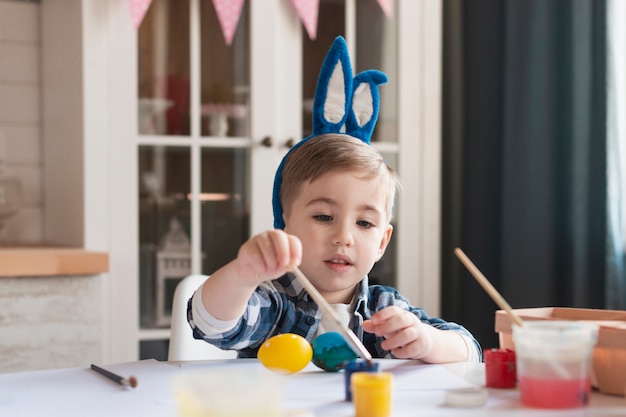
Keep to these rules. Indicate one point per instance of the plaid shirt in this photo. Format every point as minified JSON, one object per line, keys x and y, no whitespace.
{"x":283,"y":306}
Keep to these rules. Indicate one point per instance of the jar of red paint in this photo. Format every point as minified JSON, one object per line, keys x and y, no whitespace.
{"x":500,"y":371}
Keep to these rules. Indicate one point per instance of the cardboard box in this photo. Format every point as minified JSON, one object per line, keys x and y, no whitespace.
{"x":609,"y":355}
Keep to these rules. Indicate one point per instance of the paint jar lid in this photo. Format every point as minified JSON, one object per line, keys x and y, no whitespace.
{"x":361,"y":365}
{"x":466,"y":397}
{"x":499,"y":355}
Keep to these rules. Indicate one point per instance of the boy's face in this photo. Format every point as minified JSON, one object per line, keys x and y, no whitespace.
{"x":341,"y":220}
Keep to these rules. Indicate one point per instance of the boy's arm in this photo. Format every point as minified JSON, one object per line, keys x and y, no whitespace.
{"x":263,"y":257}
{"x":258,"y":320}
{"x":225,"y":295}
{"x":447,"y":346}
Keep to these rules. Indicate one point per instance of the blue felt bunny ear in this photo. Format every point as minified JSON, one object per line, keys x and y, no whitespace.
{"x":333,"y":91}
{"x":342,"y":104}
{"x":365,"y":104}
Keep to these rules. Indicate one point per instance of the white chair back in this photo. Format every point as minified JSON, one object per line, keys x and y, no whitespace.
{"x":183,"y":347}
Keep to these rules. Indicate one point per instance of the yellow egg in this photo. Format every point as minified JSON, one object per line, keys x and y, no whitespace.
{"x":285,"y":353}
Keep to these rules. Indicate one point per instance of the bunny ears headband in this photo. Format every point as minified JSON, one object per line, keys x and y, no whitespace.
{"x":342,"y":104}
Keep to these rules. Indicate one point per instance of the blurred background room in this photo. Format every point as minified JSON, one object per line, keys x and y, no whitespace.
{"x":139,"y":140}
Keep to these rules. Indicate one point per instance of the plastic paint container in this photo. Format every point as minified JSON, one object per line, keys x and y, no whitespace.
{"x":356,"y":365}
{"x":554,"y":363}
{"x":218,"y":393}
{"x":371,"y":393}
{"x":500,"y":369}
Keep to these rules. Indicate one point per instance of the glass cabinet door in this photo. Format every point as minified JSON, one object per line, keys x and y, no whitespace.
{"x":163,"y":79}
{"x":224,"y":76}
{"x":164,"y":222}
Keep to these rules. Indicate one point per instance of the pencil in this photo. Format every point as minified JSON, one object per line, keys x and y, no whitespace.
{"x":129,"y":382}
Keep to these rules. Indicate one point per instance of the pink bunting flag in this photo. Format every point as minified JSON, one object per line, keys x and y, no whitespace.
{"x":308,"y":11}
{"x":228,"y":12}
{"x":138,"y":9}
{"x":387,"y":7}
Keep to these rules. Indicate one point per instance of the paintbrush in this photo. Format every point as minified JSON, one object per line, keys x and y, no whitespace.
{"x":129,"y":382}
{"x":355,"y":344}
{"x":493,"y":293}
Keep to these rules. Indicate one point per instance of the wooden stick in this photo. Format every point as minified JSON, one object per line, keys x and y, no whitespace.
{"x":348,"y":335}
{"x":495,"y":295}
{"x":129,"y":382}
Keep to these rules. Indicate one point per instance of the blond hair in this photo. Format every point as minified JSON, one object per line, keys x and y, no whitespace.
{"x":335,"y":152}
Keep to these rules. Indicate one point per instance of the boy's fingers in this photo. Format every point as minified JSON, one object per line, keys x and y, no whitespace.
{"x":269,"y":254}
{"x":385,"y":314}
{"x":398,"y":321}
{"x":295,"y":250}
{"x":265,"y":246}
{"x":280,"y":250}
{"x":288,"y":250}
{"x":402,"y":338}
{"x":252,"y":256}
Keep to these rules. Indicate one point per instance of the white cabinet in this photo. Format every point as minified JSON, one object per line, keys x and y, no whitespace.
{"x":198,"y":127}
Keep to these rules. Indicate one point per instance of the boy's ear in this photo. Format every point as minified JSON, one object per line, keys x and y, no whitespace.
{"x":284,"y":217}
{"x":384,"y":241}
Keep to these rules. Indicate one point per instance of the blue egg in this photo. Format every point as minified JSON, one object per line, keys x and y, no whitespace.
{"x":331,"y":352}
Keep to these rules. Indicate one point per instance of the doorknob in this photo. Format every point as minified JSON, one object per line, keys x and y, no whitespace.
{"x":290,"y":142}
{"x":267,"y":142}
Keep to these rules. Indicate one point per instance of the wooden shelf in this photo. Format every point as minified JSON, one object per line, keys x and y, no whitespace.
{"x":51,"y":261}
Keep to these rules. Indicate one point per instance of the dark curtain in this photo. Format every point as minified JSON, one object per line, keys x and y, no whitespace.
{"x":524,"y":156}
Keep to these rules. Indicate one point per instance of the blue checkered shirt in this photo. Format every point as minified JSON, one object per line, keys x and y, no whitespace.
{"x":283,"y":306}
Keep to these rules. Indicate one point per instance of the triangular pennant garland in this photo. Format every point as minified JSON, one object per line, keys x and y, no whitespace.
{"x":138,"y":9}
{"x":387,"y":7}
{"x":308,"y":11}
{"x":228,"y":12}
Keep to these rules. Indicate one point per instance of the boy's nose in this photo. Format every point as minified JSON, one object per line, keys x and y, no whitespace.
{"x":343,"y":236}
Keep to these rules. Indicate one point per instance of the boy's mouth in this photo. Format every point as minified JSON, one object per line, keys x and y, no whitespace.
{"x":339,"y":260}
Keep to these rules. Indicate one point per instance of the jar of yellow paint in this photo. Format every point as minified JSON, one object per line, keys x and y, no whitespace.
{"x":371,"y":393}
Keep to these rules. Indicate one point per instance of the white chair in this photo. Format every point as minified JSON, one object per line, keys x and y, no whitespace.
{"x":183,"y":347}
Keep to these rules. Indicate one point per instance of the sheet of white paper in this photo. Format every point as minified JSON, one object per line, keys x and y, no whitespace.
{"x":84,"y":392}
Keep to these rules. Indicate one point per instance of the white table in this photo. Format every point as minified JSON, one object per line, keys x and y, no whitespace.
{"x":419,"y":390}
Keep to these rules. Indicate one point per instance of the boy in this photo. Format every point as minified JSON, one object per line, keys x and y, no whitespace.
{"x":337,"y":194}
{"x":333,"y":200}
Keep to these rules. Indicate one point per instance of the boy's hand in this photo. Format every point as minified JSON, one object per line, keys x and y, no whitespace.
{"x":268,"y":255}
{"x":406,"y":336}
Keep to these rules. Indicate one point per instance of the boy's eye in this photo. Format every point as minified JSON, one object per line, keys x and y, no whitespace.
{"x":365,"y":224}
{"x":323,"y":217}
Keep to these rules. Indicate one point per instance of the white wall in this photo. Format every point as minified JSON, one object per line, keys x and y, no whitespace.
{"x":50,"y":112}
{"x":20,"y":116}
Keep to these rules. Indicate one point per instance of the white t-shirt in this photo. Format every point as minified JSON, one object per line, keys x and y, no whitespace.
{"x":343,"y":312}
